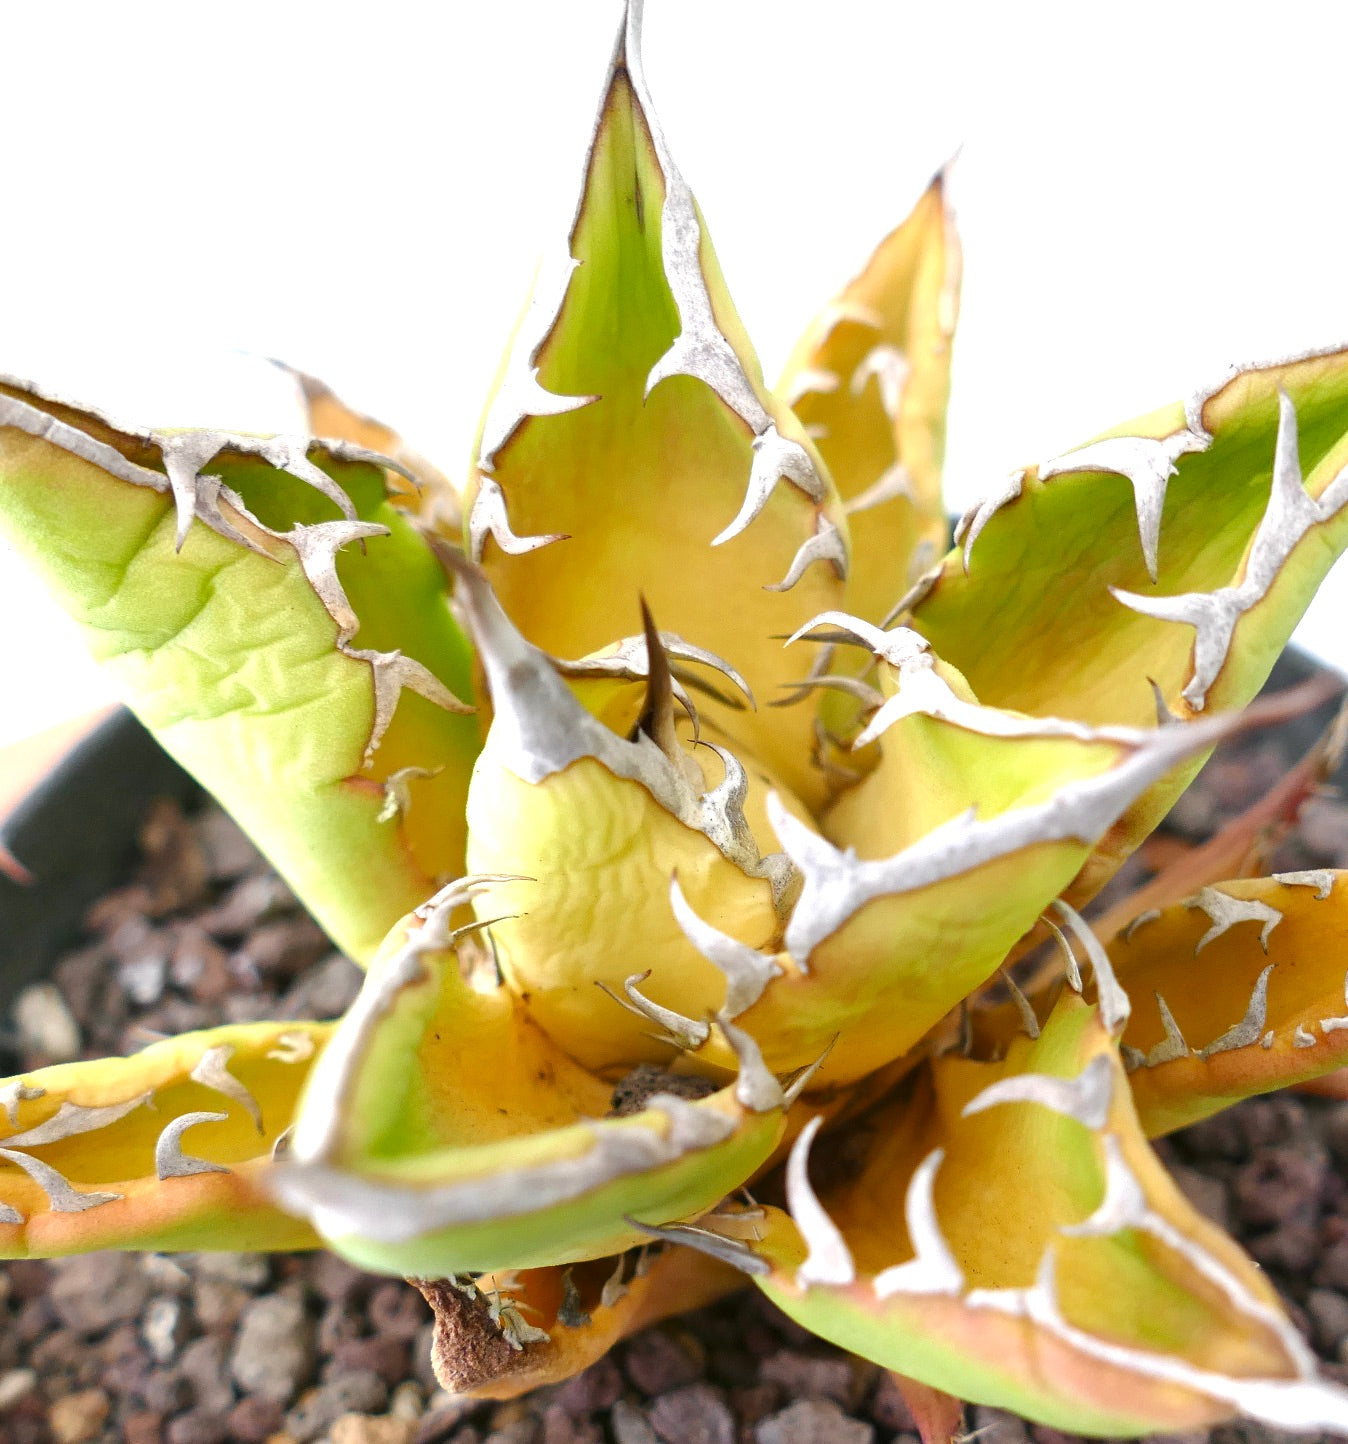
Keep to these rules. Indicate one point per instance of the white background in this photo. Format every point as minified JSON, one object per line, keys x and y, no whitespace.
{"x":1147,"y":192}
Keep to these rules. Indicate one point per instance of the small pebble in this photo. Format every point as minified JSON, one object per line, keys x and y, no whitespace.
{"x":62,"y":1352}
{"x":1279,"y":1186}
{"x":92,"y":1292}
{"x":657,"y":1362}
{"x":1332,"y":1270}
{"x":246,"y":904}
{"x":218,"y":1305}
{"x":1336,"y":1133}
{"x":166,"y":1274}
{"x":197,"y":1426}
{"x":204,"y":1366}
{"x":1322,"y":825}
{"x":630,"y":1425}
{"x":593,"y":1390}
{"x":367,"y":1429}
{"x":164,"y":1328}
{"x":1293,"y":1248}
{"x":133,"y":937}
{"x":805,"y":1374}
{"x":995,"y":1426}
{"x":560,"y":1428}
{"x":34,"y":1318}
{"x":169,"y":1391}
{"x":77,"y":1418}
{"x":1208,"y":1195}
{"x":517,"y":1431}
{"x":273,"y":1351}
{"x":244,"y":1270}
{"x":406,"y":1402}
{"x":317,"y":1409}
{"x":327,"y":990}
{"x":379,"y":1354}
{"x":144,"y":1426}
{"x":226,"y":849}
{"x":200,"y":965}
{"x":753,"y":1402}
{"x":254,"y":1420}
{"x":1269,"y":1121}
{"x":397,"y":1311}
{"x":45,"y":1024}
{"x":85,"y":981}
{"x":143,"y":978}
{"x":335,"y":1280}
{"x":694,"y":1415}
{"x":813,"y":1421}
{"x":16,"y":1384}
{"x":29,"y":1278}
{"x":422,"y":1370}
{"x":1218,"y":1137}
{"x":444,"y":1412}
{"x":888,"y":1407}
{"x":337,"y":1325}
{"x":284,"y":947}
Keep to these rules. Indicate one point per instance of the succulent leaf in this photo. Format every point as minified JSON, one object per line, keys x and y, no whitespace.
{"x":869,"y":380}
{"x":1046,"y":1262}
{"x":648,"y":815}
{"x":885,"y":945}
{"x":1057,"y":564}
{"x":1242,"y":847}
{"x":631,"y":442}
{"x":294,"y":658}
{"x":418,"y":484}
{"x":162,"y":1150}
{"x":417,"y":1152}
{"x":1239,"y":990}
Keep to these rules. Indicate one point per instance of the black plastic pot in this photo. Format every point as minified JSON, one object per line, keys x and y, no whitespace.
{"x":75,"y":833}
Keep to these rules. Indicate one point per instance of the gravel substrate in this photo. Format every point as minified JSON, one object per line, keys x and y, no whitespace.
{"x":205,"y":1348}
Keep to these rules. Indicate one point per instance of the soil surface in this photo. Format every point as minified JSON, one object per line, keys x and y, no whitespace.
{"x":207,"y":1348}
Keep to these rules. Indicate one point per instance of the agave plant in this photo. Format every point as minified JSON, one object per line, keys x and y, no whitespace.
{"x":695,"y":818}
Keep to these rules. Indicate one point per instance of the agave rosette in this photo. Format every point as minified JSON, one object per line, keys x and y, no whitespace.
{"x":683,"y":803}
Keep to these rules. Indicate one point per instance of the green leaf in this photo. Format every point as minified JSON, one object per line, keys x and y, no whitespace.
{"x":1046,"y":1263}
{"x":162,"y":1150}
{"x":296,"y":652}
{"x":1240,"y":990}
{"x":1050,"y":608}
{"x":870,"y":379}
{"x":446,"y":1133}
{"x":927,"y":873}
{"x":631,"y":448}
